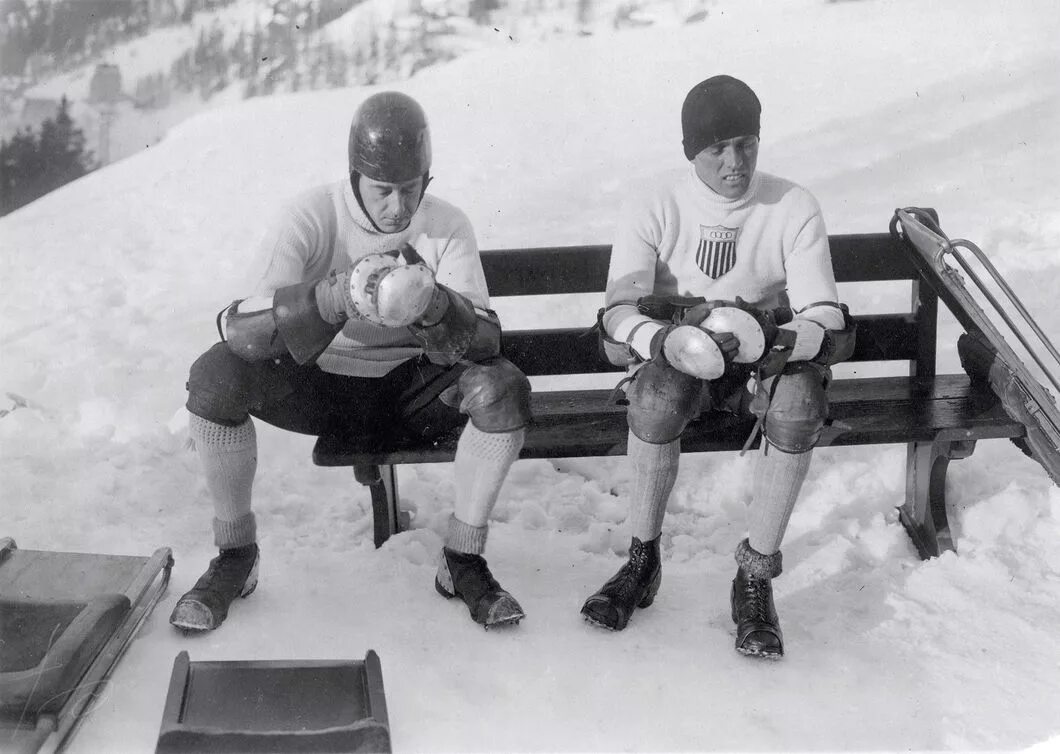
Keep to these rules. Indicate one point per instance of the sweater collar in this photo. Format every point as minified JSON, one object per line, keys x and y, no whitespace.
{"x":708,"y":194}
{"x":354,"y":208}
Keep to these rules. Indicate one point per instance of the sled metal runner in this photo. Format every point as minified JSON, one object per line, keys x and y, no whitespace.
{"x":67,"y":619}
{"x":985,"y":353}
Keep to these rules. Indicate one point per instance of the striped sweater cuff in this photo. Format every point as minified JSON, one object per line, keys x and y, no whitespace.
{"x":637,"y":331}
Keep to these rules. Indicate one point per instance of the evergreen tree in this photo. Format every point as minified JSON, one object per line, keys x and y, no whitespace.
{"x":19,"y":167}
{"x":33,"y":164}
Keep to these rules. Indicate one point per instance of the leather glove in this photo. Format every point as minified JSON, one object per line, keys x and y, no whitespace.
{"x":392,"y":289}
{"x":694,"y":350}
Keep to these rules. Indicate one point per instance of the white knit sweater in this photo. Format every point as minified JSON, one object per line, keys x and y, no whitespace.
{"x":324,"y":229}
{"x":679,"y":237}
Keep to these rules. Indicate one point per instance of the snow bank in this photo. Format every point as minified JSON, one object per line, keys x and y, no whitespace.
{"x":111,"y":283}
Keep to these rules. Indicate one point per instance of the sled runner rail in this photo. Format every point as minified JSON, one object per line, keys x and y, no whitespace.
{"x":938,"y":417}
{"x":986,"y":354}
{"x":929,"y":240}
{"x":68,"y":619}
{"x":1013,"y":325}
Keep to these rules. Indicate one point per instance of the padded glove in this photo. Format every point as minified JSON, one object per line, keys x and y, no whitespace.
{"x":392,"y":289}
{"x":754,"y":328}
{"x":694,"y":350}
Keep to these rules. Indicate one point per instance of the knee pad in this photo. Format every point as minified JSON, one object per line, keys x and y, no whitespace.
{"x":495,"y":394}
{"x":797,"y":410}
{"x":662,"y":401}
{"x":218,"y":386}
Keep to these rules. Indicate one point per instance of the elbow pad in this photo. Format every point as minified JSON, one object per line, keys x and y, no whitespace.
{"x":458,"y":331}
{"x":287,"y":323}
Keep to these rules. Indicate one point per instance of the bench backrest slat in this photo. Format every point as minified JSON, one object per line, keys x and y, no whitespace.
{"x":864,"y":257}
{"x":881,"y":337}
{"x":583,"y":269}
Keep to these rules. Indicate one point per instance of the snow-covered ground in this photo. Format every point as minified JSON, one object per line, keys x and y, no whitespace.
{"x":109,"y":288}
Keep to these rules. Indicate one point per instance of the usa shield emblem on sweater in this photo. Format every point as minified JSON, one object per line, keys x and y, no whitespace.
{"x":717,"y":249}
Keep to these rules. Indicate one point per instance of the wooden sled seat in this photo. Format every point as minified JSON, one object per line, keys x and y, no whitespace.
{"x":65,"y":619}
{"x":48,"y":646}
{"x":275,"y":706}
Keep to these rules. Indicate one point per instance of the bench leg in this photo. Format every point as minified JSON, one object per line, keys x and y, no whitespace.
{"x":387,"y":518}
{"x":924,"y":513}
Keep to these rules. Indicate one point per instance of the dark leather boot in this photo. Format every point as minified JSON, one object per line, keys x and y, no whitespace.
{"x":757,"y":625}
{"x":467,"y":576}
{"x":233,"y":573}
{"x":635,"y":585}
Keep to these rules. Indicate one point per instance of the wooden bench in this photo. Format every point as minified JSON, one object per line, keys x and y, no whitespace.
{"x":938,"y":416}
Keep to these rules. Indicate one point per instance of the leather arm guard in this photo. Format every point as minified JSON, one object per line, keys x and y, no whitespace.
{"x":838,"y":345}
{"x":614,"y":352}
{"x":289,"y":323}
{"x":452,"y":330}
{"x":664,"y":310}
{"x":835,"y":345}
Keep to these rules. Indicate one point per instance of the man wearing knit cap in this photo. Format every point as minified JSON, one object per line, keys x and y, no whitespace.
{"x":720,"y":280}
{"x":371,"y":319}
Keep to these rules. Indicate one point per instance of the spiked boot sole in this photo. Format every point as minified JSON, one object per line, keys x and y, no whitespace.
{"x":765,"y":654}
{"x":512,"y":620}
{"x":747,"y":652}
{"x":192,"y":616}
{"x":646,"y":601}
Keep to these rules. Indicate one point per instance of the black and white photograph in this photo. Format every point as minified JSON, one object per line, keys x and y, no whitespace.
{"x":529,"y":376}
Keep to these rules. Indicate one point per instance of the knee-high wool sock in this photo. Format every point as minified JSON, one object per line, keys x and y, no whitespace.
{"x":654,"y":474}
{"x":778,"y":480}
{"x":481,"y":464}
{"x":229,"y":457}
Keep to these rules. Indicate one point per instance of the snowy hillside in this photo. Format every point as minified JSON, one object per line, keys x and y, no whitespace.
{"x":110,"y":286}
{"x":225,"y":52}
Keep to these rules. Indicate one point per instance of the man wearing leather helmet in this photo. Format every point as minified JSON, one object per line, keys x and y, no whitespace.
{"x":371,"y":318}
{"x":720,"y":275}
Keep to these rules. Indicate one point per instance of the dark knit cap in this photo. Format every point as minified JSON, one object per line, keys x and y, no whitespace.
{"x":717,"y":109}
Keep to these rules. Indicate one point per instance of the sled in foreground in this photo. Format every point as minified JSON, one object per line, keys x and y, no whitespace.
{"x":65,"y":620}
{"x":275,"y":706}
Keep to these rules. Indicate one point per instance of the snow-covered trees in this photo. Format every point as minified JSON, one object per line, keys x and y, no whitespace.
{"x":32,"y":163}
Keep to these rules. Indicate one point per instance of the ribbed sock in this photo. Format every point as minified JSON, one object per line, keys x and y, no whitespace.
{"x":778,"y":480}
{"x":466,"y":538}
{"x":481,"y":464}
{"x":242,"y":531}
{"x":229,"y":457}
{"x":654,"y":474}
{"x":758,"y":565}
